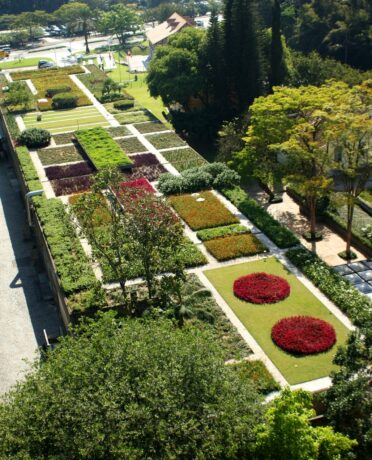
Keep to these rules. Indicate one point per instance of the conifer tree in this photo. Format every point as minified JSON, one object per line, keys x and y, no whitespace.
{"x":277,"y":63}
{"x":243,"y":52}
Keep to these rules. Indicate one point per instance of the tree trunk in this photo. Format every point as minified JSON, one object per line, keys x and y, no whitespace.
{"x":86,"y":39}
{"x":349,"y":223}
{"x":312,"y":206}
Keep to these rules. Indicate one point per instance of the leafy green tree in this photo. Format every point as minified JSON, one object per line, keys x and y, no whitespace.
{"x":121,"y":21}
{"x":348,"y":402}
{"x":131,"y":389}
{"x":277,"y":63}
{"x":18,"y":96}
{"x":31,"y":21}
{"x":287,"y":432}
{"x":80,"y":15}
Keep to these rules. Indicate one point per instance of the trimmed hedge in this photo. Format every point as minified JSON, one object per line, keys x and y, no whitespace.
{"x":124,"y":105}
{"x":65,"y":101}
{"x":34,"y":138}
{"x":28,"y":169}
{"x":279,"y":234}
{"x":51,"y":92}
{"x":211,"y":175}
{"x":101,"y":148}
{"x":339,"y":290}
{"x":73,"y":266}
{"x":220,"y":232}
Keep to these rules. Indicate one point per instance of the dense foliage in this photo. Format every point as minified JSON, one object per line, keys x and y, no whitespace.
{"x":34,"y":138}
{"x":303,"y":335}
{"x":261,"y":288}
{"x":152,"y":391}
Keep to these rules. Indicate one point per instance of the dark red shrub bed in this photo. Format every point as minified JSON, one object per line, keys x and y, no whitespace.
{"x":70,"y":185}
{"x":135,"y":188}
{"x":261,"y":288}
{"x":77,"y":169}
{"x":145,"y":165}
{"x":144,"y":159}
{"x":303,"y":335}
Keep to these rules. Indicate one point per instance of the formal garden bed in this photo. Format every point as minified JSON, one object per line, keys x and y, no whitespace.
{"x":259,"y":319}
{"x":118,"y":131}
{"x":59,"y":155}
{"x":165,"y":140}
{"x":102,"y":150}
{"x":135,"y":187}
{"x":63,"y":138}
{"x":232,"y":247}
{"x":183,"y":159}
{"x":70,"y":185}
{"x":145,"y":165}
{"x":261,"y":288}
{"x":73,"y":170}
{"x":150,"y":127}
{"x":220,"y":232}
{"x":131,"y":145}
{"x":137,"y":116}
{"x":256,"y":372}
{"x":202,"y":210}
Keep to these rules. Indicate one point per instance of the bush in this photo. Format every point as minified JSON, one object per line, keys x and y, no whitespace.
{"x":339,"y":290}
{"x":28,"y":169}
{"x":279,"y":234}
{"x":261,"y":288}
{"x":124,"y":105}
{"x":34,"y":138}
{"x":110,"y":97}
{"x":303,"y":335}
{"x":213,"y":175}
{"x":65,"y":101}
{"x":51,"y":92}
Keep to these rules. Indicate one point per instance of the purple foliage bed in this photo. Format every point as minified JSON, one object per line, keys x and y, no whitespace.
{"x":77,"y":169}
{"x":69,"y":185}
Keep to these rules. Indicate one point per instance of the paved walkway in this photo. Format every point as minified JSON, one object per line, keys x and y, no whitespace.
{"x":23,"y":312}
{"x":288,"y":213}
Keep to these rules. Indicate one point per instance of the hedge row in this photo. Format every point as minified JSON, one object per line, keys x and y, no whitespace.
{"x":340,"y":291}
{"x":73,"y":266}
{"x":279,"y":234}
{"x":28,"y":169}
{"x":220,"y":232}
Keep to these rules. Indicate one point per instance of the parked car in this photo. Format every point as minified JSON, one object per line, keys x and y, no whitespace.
{"x":45,"y":64}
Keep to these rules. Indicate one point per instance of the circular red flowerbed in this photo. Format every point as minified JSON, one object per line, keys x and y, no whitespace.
{"x":261,"y":288}
{"x":303,"y":335}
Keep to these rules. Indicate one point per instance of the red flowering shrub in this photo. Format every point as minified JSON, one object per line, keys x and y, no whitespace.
{"x":261,"y":288}
{"x":303,"y":335}
{"x":135,"y":188}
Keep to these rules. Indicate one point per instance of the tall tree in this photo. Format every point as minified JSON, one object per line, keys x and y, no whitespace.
{"x":131,"y":389}
{"x":243,"y":52}
{"x":80,"y":15}
{"x":277,"y":62}
{"x":121,"y":21}
{"x":31,"y":20}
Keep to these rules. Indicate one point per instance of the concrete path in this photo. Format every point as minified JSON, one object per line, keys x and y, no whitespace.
{"x":23,"y":286}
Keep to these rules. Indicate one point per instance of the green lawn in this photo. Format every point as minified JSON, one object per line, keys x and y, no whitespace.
{"x":138,"y":89}
{"x":59,"y":121}
{"x":259,"y":319}
{"x":28,"y":62}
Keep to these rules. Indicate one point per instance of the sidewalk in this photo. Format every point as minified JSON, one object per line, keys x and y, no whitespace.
{"x":23,"y":312}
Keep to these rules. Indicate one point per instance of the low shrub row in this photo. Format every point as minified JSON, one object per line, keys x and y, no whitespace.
{"x":34,"y":138}
{"x":219,"y":232}
{"x":204,"y":210}
{"x":124,"y":104}
{"x":77,"y":169}
{"x":211,"y":175}
{"x":231,"y":247}
{"x":51,"y":92}
{"x":340,"y":291}
{"x":65,"y":101}
{"x":70,"y":185}
{"x":63,"y":138}
{"x":102,"y":149}
{"x":50,"y":73}
{"x":118,"y":131}
{"x":150,"y":127}
{"x":59,"y":155}
{"x":279,"y":234}
{"x":183,"y":159}
{"x":28,"y":169}
{"x":165,"y":140}
{"x":134,"y":117}
{"x":72,"y":265}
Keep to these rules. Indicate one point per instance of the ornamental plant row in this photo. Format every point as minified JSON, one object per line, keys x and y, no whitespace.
{"x":340,"y":291}
{"x":102,"y":150}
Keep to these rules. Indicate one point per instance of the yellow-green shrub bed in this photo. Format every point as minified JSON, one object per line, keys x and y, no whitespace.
{"x":235,"y":246}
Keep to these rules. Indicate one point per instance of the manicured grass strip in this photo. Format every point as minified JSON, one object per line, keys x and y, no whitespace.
{"x":231,"y":247}
{"x":28,"y":62}
{"x":183,"y":159}
{"x":279,"y":234}
{"x":219,"y":232}
{"x":59,"y":155}
{"x":259,"y":319}
{"x":165,"y":140}
{"x":101,"y":148}
{"x":151,"y":127}
{"x":256,"y":371}
{"x":338,"y":289}
{"x":202,"y":214}
{"x":73,"y":266}
{"x":131,"y":145}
